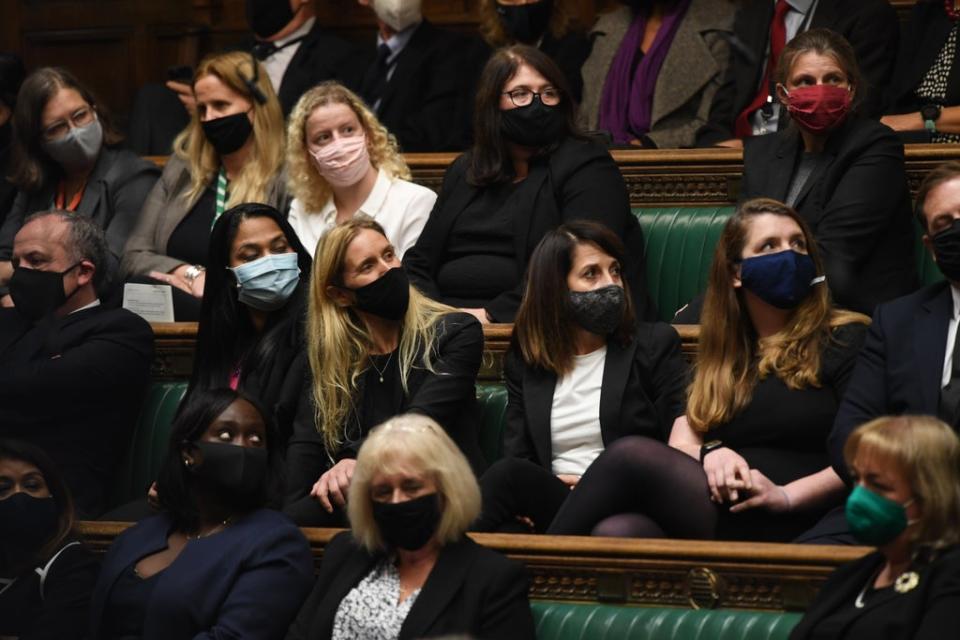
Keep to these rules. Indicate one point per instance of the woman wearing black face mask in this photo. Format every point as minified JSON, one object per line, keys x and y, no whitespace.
{"x":66,"y":155}
{"x":46,"y":575}
{"x":582,"y":375}
{"x":215,"y":561}
{"x":230,"y":153}
{"x":406,"y":569}
{"x":528,"y":172}
{"x":376,"y":347}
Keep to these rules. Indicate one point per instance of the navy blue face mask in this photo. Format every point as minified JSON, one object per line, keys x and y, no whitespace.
{"x":780,"y":279}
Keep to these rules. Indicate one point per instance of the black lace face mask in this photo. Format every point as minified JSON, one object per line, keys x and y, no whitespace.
{"x":599,"y":311}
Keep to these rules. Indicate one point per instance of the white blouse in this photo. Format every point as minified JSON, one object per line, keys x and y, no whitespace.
{"x":372,"y":610}
{"x":575,"y":439}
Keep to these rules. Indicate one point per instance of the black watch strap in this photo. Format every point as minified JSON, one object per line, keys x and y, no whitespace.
{"x":707,"y":447}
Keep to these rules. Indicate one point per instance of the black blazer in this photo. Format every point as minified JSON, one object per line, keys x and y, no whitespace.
{"x":930,"y":611}
{"x":871,"y":27}
{"x":643,"y":391}
{"x":857,"y":203}
{"x":73,"y":386}
{"x":471,"y":590}
{"x":900,"y":367}
{"x":578,"y":180}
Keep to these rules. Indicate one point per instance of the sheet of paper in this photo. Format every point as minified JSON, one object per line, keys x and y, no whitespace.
{"x":153,"y":302}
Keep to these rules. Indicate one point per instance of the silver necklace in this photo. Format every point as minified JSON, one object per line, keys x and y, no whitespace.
{"x":858,"y":603}
{"x":217,"y":528}
{"x":385,"y":366}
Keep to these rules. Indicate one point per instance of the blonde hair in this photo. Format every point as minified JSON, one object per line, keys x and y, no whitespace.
{"x":266,"y":155}
{"x":339,"y":342}
{"x":730,"y":358}
{"x":927,"y":453}
{"x":304,"y":181}
{"x":563,"y":19}
{"x":413,"y":443}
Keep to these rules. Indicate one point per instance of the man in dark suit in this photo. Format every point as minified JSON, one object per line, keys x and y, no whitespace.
{"x":72,"y":372}
{"x":421,"y":80}
{"x":870,"y":26}
{"x":910,"y":362}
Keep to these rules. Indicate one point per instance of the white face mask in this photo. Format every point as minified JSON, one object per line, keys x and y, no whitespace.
{"x":398,"y":14}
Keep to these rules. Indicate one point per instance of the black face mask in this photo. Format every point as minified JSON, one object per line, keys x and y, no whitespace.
{"x":37,"y":294}
{"x":535,"y":125}
{"x":408,"y":525}
{"x":387,"y":297}
{"x":229,"y":133}
{"x":26,"y":522}
{"x":267,"y":17}
{"x":525,"y":22}
{"x":239,"y":474}
{"x":599,"y":311}
{"x":946,"y":247}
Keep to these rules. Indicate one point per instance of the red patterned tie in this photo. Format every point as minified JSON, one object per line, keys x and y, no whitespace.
{"x":778,"y":38}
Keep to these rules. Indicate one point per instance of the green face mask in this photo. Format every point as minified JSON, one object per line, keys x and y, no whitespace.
{"x":873,"y":519}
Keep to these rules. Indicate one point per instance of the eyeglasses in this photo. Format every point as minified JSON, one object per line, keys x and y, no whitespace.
{"x":79,"y":118}
{"x":522,"y":97}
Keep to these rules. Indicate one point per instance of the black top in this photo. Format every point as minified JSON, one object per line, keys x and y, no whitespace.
{"x":190,"y":240}
{"x":126,"y":607}
{"x":60,"y":612}
{"x":569,"y":51}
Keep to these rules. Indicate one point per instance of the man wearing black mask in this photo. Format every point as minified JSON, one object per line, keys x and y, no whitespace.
{"x":72,"y":372}
{"x":12,"y":74}
{"x":910,"y":362}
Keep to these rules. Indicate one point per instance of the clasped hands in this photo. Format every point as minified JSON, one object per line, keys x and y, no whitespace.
{"x":731,"y":479}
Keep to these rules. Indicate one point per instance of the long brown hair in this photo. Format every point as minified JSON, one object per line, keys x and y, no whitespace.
{"x":730,"y":357}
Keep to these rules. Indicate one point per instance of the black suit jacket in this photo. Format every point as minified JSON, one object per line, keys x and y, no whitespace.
{"x":930,"y":611}
{"x":900,"y":367}
{"x":578,"y":180}
{"x":857,"y":204}
{"x":74,"y":386}
{"x":643,"y":391}
{"x":870,"y":26}
{"x":428,"y":101}
{"x":471,"y":590}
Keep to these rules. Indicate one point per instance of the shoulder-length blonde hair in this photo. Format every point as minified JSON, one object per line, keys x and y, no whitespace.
{"x":266,"y":155}
{"x":339,"y":342}
{"x":304,"y":181}
{"x":563,"y":19}
{"x":927,"y":452}
{"x":730,"y":357}
{"x":413,"y":443}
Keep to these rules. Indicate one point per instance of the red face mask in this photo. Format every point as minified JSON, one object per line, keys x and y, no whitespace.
{"x":819,"y":108}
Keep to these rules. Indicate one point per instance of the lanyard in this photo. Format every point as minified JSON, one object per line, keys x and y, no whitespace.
{"x":221,"y":196}
{"x":59,"y":200}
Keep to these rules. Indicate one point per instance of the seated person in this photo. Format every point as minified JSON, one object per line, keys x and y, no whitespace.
{"x":11,"y":77}
{"x":295,"y":50}
{"x":906,"y":502}
{"x":66,"y":155}
{"x":73,"y":373}
{"x":214,"y":562}
{"x":549,"y":25}
{"x":231,"y":152}
{"x":910,"y":361}
{"x":581,"y":375}
{"x":46,"y":574}
{"x":745,"y":104}
{"x":406,"y":569}
{"x":528,"y":172}
{"x":654,"y":69}
{"x":343,"y":162}
{"x":923,"y":100}
{"x":377,"y":347}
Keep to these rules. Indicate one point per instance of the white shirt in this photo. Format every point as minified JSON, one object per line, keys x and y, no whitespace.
{"x":575,"y":438}
{"x":276,"y":64}
{"x":95,"y":303}
{"x":399,"y":206}
{"x":951,"y":338}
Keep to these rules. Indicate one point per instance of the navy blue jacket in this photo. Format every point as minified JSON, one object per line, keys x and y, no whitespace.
{"x":247,"y":581}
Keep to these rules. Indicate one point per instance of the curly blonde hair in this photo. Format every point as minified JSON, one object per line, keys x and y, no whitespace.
{"x":304,"y":181}
{"x":563,"y":19}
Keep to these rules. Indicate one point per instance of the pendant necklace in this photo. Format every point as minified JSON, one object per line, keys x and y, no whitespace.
{"x":377,"y":369}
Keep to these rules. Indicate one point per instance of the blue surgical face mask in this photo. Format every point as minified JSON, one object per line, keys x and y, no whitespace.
{"x":780,"y":279}
{"x":268,"y":282}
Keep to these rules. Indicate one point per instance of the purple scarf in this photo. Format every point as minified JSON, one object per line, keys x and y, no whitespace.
{"x":627,"y":102}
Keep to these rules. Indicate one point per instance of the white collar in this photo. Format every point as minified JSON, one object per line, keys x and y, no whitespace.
{"x":956,"y":300}
{"x":303,"y":30}
{"x":95,"y":303}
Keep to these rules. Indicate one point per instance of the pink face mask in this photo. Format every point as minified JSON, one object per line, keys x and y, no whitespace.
{"x":819,"y":108}
{"x":344,"y":161}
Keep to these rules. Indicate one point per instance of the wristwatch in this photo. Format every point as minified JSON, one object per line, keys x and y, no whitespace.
{"x":193,"y":272}
{"x":930,"y":113}
{"x":708,"y":447}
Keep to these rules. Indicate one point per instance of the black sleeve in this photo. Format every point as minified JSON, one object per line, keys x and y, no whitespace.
{"x":874,"y":35}
{"x":842,"y":356}
{"x":334,"y":555}
{"x":66,"y":597}
{"x":668,"y":373}
{"x":941,"y":616}
{"x":516,"y":437}
{"x":307,"y":457}
{"x":12,"y":224}
{"x":506,"y":609}
{"x":126,"y":200}
{"x":719,"y":125}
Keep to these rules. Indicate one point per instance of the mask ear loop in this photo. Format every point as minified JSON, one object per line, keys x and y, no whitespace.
{"x":251,"y":82}
{"x":818,"y":280}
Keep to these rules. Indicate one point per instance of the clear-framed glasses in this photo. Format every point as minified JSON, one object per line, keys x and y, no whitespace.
{"x":522,"y":96}
{"x":79,"y":118}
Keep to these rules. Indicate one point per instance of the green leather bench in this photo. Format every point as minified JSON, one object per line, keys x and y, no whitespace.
{"x":569,"y":621}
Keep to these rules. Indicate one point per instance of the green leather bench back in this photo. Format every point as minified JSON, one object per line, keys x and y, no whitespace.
{"x":567,"y":621}
{"x":493,"y":413}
